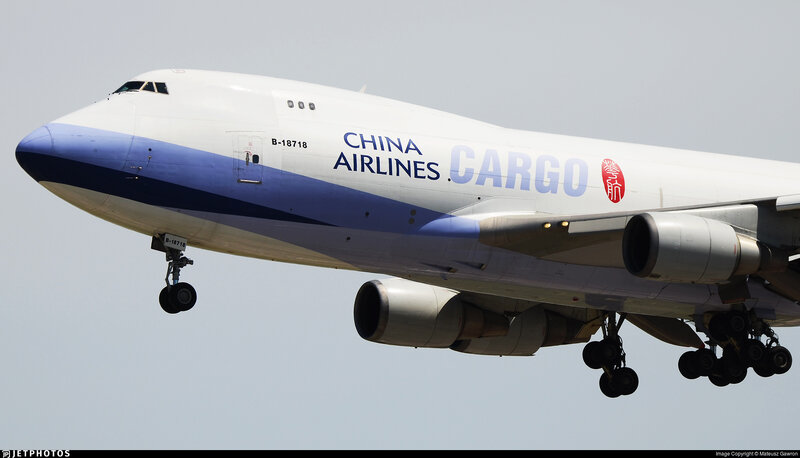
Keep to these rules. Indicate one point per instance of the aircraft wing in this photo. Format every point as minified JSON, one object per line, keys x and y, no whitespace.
{"x":597,"y":239}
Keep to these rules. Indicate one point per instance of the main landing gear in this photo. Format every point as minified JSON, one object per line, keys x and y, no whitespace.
{"x":177,"y":296}
{"x":739,"y":334}
{"x":607,"y":354}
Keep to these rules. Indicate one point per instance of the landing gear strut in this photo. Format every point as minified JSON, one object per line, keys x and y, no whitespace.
{"x":607,"y":354}
{"x":739,"y":334}
{"x":177,"y":296}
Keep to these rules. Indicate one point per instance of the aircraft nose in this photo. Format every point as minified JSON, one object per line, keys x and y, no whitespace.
{"x":34,"y":147}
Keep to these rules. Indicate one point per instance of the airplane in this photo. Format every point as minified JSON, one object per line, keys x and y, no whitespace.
{"x":495,"y":241}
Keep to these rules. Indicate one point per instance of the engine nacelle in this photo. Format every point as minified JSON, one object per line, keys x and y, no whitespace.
{"x":525,"y":336}
{"x":401,"y":312}
{"x":530,"y":330}
{"x":687,"y":248}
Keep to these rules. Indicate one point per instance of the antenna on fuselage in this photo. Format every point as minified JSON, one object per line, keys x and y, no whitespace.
{"x":363,"y":89}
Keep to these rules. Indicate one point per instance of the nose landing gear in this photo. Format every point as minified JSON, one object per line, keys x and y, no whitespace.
{"x":177,"y":296}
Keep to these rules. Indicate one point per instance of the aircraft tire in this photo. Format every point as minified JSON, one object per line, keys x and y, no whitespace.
{"x":688,"y":365}
{"x":740,"y":376}
{"x":624,"y":380}
{"x":780,"y":360}
{"x":182,"y":296}
{"x":718,"y":380}
{"x":591,"y":355}
{"x":731,"y":366}
{"x":705,"y":359}
{"x":166,"y":304}
{"x":736,"y":325}
{"x":764,"y":368}
{"x":719,"y":376}
{"x":609,"y":352}
{"x":606,"y":386}
{"x":753,"y":352}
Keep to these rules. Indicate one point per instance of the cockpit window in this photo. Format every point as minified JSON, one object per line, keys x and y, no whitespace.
{"x":130,"y":86}
{"x":150,"y":86}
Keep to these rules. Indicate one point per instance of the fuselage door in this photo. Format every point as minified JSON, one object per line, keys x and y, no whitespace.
{"x":248,"y":157}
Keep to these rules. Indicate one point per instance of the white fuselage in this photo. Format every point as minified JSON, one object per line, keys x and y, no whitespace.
{"x":234,"y":164}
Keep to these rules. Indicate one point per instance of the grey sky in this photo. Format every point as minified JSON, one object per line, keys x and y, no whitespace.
{"x":269,"y":358}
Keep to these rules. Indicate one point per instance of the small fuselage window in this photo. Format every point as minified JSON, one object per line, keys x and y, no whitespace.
{"x":301,"y":105}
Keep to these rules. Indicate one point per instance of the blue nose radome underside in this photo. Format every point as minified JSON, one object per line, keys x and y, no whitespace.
{"x":35,"y":145}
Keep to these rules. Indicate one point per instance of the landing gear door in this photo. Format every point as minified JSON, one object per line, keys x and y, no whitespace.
{"x":248,"y":155}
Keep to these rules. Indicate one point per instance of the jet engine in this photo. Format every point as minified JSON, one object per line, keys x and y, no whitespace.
{"x":687,"y":248}
{"x":401,"y":312}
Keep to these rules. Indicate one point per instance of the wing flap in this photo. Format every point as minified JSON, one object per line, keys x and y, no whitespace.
{"x":587,"y":241}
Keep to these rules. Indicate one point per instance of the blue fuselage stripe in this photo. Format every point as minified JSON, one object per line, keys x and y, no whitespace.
{"x":143,"y":189}
{"x":177,"y":177}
